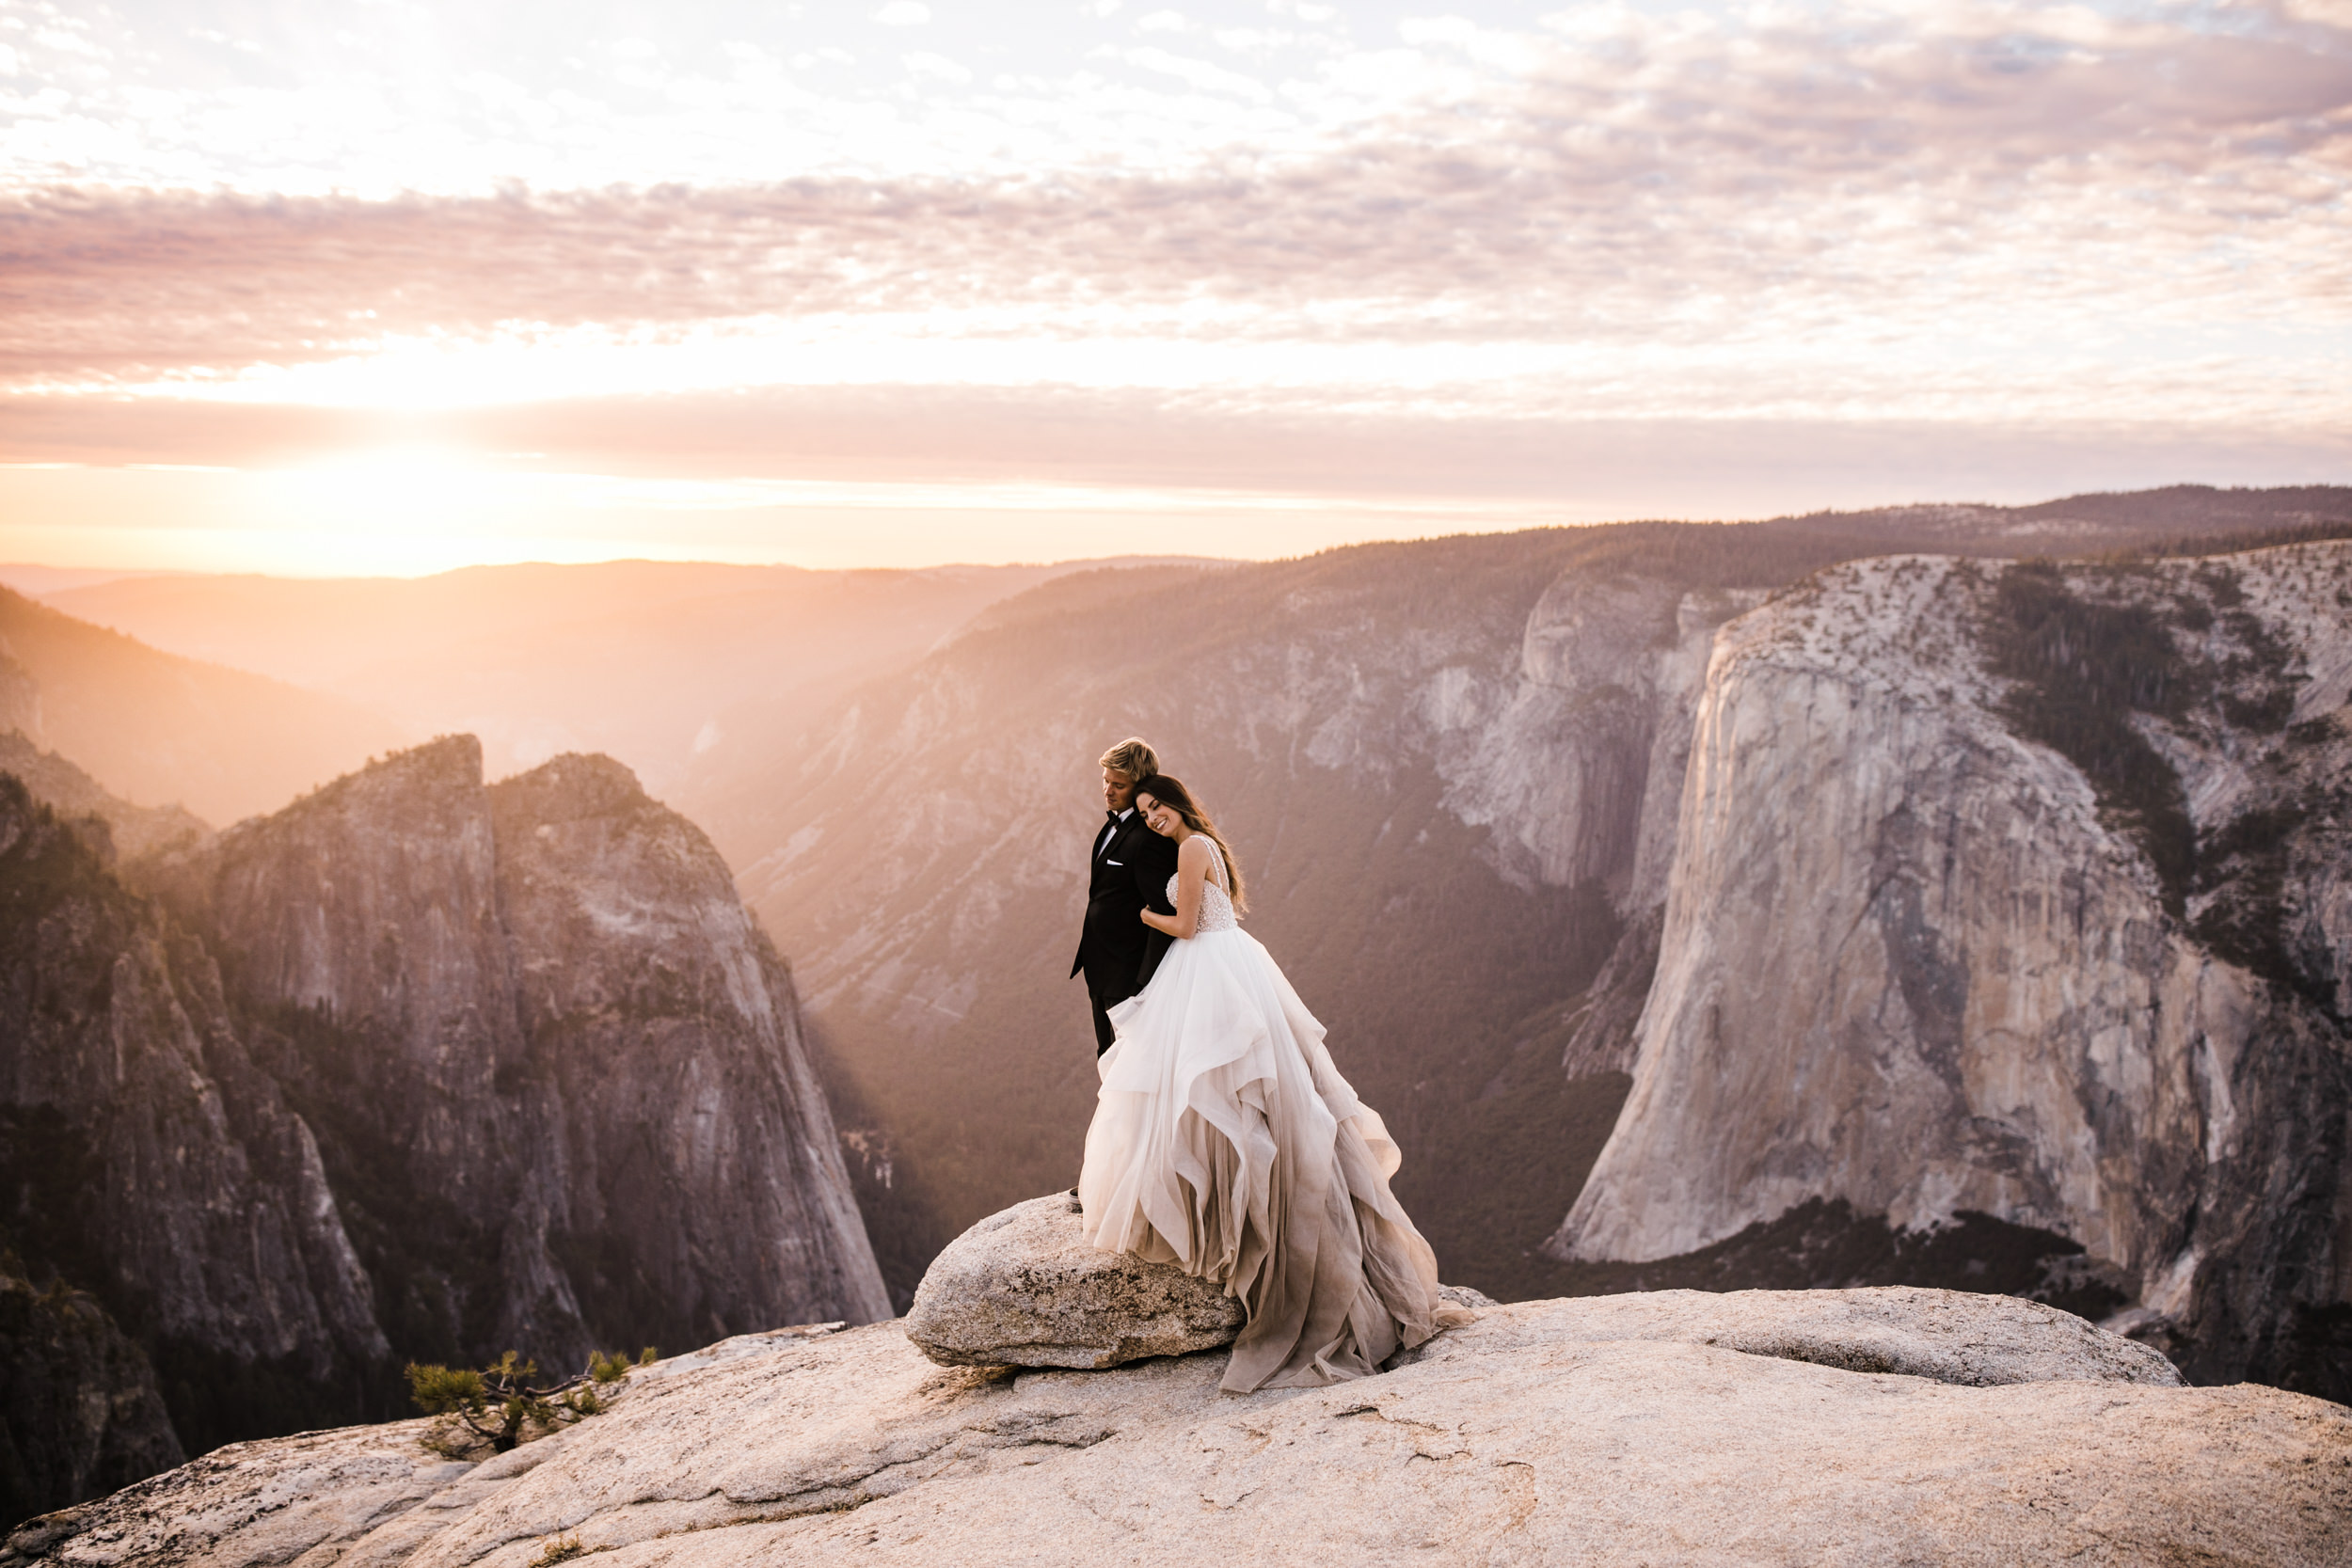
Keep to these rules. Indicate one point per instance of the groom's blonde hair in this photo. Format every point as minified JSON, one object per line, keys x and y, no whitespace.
{"x":1134,"y":757}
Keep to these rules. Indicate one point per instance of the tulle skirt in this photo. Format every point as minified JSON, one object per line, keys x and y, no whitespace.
{"x":1225,"y":1142}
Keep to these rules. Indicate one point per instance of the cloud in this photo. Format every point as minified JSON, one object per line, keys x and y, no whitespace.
{"x":1919,"y":214}
{"x":1199,"y":74}
{"x":903,"y":13}
{"x":938,"y":67}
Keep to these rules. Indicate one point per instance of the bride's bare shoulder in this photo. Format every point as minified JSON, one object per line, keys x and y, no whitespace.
{"x":1194,"y":850}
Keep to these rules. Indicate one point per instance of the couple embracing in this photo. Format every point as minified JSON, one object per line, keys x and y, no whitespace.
{"x":1224,"y":1141}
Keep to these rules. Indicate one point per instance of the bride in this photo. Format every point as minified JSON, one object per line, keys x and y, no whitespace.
{"x":1225,"y":1142}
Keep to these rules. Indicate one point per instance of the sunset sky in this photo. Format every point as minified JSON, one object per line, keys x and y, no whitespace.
{"x":324,"y":287}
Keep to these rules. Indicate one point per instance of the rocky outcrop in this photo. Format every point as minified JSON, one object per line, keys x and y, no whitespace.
{"x":145,"y":1159}
{"x":1976,"y":1341}
{"x":80,"y":1413}
{"x":490,"y":1069}
{"x":1938,"y":943}
{"x":143,"y":1146}
{"x":557,"y":1069}
{"x":1762,"y":1428}
{"x":700,"y":1180}
{"x":1023,"y":1288}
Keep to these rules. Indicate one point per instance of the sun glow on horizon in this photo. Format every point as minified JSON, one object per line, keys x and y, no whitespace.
{"x":414,"y":512}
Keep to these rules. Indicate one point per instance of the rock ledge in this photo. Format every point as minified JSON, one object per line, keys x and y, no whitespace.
{"x":1676,"y":1428}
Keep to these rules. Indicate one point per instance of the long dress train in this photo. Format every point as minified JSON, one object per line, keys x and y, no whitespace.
{"x":1225,"y":1142}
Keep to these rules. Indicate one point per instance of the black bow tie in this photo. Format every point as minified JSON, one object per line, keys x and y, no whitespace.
{"x":1112,"y":814}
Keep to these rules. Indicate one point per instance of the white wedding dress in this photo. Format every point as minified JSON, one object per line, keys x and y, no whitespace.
{"x":1225,"y":1142}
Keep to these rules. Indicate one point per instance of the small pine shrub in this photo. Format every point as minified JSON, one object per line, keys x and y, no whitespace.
{"x":501,"y":1407}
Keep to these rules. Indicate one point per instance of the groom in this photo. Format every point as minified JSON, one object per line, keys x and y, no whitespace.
{"x":1128,"y":869}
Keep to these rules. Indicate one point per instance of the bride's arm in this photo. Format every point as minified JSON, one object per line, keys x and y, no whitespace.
{"x":1192,"y":868}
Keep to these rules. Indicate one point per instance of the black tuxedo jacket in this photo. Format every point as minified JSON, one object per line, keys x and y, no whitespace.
{"x":1117,"y":950}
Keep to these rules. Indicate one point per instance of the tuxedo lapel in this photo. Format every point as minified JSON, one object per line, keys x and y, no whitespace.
{"x":1127,"y":870}
{"x":1138,"y":848}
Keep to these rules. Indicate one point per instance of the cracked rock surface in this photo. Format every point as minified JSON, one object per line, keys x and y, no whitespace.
{"x":1673,"y":1428}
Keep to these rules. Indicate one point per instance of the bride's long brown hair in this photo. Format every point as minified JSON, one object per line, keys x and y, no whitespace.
{"x":1170,"y":791}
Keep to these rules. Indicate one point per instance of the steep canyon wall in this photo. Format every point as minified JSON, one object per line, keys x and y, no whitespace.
{"x":1951,"y":929}
{"x":415,"y":1068}
{"x":559,"y":1068}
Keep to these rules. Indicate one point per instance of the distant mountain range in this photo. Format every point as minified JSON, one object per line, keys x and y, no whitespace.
{"x":164,"y":731}
{"x":650,"y":661}
{"x":656,"y":663}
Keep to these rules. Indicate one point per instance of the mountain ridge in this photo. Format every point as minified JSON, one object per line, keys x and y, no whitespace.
{"x":160,"y":729}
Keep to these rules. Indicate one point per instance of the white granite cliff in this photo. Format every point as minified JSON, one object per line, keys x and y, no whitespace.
{"x":1910,"y":962}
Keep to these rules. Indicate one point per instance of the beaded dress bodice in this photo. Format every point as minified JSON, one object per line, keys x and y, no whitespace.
{"x":1217,"y":907}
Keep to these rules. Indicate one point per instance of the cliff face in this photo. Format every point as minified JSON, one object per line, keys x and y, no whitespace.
{"x":141,"y":1132}
{"x":1581,"y":774}
{"x":699,"y":1187}
{"x":146,"y":1158}
{"x":360,"y":928}
{"x":490,"y":1070}
{"x":80,"y":1415}
{"x":558,"y":1074}
{"x":2020,"y":892}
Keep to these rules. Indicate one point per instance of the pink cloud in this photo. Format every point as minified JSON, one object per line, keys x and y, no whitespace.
{"x":1875,"y":170}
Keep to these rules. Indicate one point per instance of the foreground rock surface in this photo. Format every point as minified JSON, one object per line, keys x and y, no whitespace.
{"x":1671,"y":1427}
{"x":1023,"y":1288}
